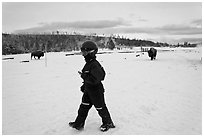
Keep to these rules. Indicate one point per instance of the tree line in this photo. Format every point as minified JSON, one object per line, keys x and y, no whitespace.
{"x":26,"y":43}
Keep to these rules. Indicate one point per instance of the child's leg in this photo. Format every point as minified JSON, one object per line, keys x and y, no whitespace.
{"x":97,"y":98}
{"x":83,"y":109}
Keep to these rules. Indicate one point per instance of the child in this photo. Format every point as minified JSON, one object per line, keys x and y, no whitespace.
{"x":92,"y":88}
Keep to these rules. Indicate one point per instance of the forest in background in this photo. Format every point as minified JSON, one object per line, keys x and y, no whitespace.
{"x":26,"y":43}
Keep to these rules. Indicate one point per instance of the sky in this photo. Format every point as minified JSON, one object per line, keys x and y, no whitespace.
{"x":170,"y":22}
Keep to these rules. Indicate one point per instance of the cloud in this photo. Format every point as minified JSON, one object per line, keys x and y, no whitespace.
{"x":101,"y":24}
{"x":118,"y":26}
{"x":142,"y":20}
{"x":180,"y":30}
{"x":137,"y":18}
{"x":163,"y":30}
{"x":192,"y":40}
{"x":197,"y":22}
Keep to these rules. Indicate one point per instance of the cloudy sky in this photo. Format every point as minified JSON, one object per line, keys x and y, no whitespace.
{"x":170,"y":22}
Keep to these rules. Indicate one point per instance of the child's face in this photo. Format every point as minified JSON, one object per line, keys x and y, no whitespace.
{"x":84,"y":53}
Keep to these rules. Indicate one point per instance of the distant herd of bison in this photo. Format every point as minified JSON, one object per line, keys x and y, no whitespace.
{"x":152,"y":53}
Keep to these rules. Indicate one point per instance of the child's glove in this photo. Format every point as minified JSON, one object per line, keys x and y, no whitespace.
{"x":84,"y":74}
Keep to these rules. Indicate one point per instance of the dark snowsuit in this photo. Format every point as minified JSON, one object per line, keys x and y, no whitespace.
{"x":93,"y":90}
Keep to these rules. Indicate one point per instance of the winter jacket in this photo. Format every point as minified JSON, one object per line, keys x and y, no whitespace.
{"x":93,"y":74}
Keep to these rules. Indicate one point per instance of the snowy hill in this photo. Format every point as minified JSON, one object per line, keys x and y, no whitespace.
{"x":144,"y":97}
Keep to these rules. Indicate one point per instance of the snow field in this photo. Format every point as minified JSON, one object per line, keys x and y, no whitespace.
{"x":144,"y":97}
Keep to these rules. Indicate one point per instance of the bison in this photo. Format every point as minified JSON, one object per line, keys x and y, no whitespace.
{"x":37,"y":54}
{"x":152,"y":52}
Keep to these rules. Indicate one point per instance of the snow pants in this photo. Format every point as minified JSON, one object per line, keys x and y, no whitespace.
{"x":95,"y":98}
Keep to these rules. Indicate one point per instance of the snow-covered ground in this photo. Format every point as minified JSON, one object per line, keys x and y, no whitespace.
{"x":143,"y":96}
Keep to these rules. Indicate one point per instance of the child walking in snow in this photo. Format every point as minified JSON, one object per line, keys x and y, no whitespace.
{"x":93,"y":90}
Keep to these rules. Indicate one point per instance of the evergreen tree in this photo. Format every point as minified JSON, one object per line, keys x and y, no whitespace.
{"x":110,"y":44}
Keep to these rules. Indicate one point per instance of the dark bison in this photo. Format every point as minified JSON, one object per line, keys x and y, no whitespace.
{"x":37,"y":54}
{"x":152,"y":52}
